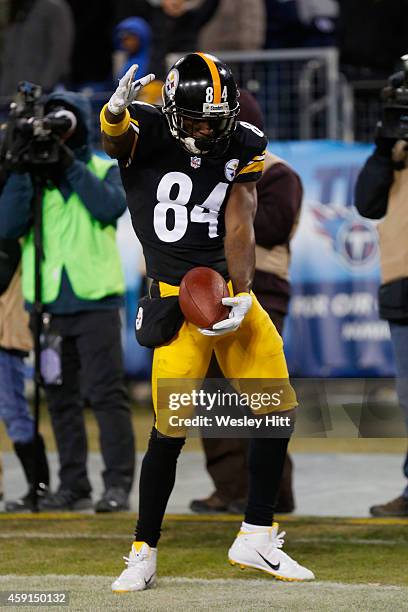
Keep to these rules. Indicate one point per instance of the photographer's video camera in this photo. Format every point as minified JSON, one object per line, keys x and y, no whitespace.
{"x":395,"y":105}
{"x":30,"y":140}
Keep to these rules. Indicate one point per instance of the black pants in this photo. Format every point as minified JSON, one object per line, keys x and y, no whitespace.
{"x":266,"y":459}
{"x":92,"y":369}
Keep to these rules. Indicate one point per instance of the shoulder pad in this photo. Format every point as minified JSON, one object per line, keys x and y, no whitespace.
{"x":250,"y":135}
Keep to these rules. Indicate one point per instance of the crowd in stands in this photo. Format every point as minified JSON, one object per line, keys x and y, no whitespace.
{"x":88,"y":45}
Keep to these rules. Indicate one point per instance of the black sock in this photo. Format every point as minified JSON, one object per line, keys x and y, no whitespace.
{"x":266,"y":459}
{"x":156,"y":484}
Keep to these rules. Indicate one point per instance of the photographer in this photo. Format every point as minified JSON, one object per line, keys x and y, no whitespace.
{"x":382,"y":193}
{"x":82,"y":288}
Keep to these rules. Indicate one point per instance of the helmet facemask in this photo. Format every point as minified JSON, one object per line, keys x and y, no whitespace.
{"x":184,"y":124}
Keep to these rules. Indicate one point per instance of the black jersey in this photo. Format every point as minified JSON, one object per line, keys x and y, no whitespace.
{"x":177,"y":200}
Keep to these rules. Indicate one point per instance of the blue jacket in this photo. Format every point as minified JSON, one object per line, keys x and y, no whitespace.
{"x":140,"y":28}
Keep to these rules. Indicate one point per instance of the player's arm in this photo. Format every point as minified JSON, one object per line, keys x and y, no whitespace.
{"x":239,"y":246}
{"x":118,"y":137}
{"x":119,"y":145}
{"x":239,"y":240}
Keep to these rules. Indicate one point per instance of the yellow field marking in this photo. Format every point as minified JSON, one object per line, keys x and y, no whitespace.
{"x":44,"y":516}
{"x":378,"y":521}
{"x":204,"y":518}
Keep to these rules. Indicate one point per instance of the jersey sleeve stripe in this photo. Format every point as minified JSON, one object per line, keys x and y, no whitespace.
{"x":214,"y":75}
{"x":252,"y":167}
{"x":255,"y":160}
{"x":249,"y":177}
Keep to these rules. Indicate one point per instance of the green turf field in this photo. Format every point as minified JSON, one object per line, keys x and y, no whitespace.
{"x":349,"y":550}
{"x":360,"y":564}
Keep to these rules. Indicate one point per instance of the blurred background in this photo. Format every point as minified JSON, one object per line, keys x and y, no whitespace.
{"x":316,"y":68}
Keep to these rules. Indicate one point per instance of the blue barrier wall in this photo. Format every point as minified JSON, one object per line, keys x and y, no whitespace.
{"x":333,"y":328}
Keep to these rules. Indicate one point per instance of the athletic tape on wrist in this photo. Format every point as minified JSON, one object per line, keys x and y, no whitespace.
{"x":114,"y":129}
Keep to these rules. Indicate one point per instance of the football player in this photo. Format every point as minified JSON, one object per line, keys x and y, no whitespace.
{"x":190,"y":170}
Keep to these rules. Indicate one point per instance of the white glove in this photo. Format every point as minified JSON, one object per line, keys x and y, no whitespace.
{"x":240,"y":304}
{"x":127,"y":90}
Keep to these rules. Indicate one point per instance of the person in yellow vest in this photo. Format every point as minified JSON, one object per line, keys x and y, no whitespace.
{"x":382,"y":193}
{"x":82,"y":292}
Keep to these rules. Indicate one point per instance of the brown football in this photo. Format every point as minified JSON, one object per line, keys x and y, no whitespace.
{"x":201,"y":292}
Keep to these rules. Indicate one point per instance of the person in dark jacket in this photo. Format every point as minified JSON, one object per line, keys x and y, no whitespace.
{"x":82,"y":292}
{"x":371,"y":36}
{"x":175,"y":26}
{"x":15,"y":343}
{"x":279,"y":200}
{"x":37,"y":43}
{"x":382,"y":193}
{"x":91,"y":64}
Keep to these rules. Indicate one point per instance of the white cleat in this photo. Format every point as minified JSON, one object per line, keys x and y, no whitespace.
{"x":140,"y":573}
{"x":262,"y":550}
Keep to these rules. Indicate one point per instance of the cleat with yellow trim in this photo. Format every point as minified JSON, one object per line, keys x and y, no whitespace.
{"x":262,"y":550}
{"x":140,"y":573}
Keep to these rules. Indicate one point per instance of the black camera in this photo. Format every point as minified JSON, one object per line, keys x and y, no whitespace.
{"x":395,"y":105}
{"x":30,"y":140}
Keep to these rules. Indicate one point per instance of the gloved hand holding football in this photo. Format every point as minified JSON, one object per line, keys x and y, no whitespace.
{"x":205,"y":301}
{"x":240,"y":306}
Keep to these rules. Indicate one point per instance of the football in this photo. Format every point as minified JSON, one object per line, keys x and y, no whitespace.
{"x":201,"y":292}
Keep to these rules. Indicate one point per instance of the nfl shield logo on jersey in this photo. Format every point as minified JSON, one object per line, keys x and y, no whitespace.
{"x":195,"y":162}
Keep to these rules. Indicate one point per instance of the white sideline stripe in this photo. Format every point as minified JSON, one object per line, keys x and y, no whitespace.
{"x":209,"y":582}
{"x":24,"y":535}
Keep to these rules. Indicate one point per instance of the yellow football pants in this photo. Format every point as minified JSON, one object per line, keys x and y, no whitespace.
{"x":254,"y":351}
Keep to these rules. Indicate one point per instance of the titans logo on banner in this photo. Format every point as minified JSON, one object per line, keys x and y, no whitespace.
{"x":353,"y":238}
{"x":333,"y":329}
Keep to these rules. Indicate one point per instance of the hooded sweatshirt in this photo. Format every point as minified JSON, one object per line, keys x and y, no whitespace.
{"x":141,"y":29}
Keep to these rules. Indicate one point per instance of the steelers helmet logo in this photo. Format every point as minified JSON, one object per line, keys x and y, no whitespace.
{"x":231,"y":169}
{"x":172,"y":82}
